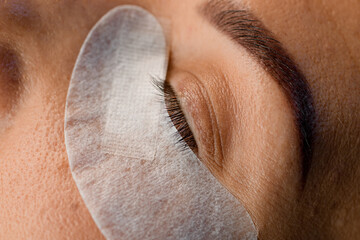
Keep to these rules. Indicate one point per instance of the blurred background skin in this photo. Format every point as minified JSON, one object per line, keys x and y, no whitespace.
{"x":39,"y":43}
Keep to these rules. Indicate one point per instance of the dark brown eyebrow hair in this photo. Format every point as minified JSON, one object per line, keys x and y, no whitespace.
{"x":244,"y":29}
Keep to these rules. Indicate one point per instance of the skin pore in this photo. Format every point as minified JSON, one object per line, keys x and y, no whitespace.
{"x":240,"y":116}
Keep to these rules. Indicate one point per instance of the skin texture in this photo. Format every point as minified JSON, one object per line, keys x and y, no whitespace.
{"x":238,"y":114}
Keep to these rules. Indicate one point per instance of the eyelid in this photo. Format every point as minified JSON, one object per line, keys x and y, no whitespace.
{"x":177,"y":116}
{"x":201,"y":118}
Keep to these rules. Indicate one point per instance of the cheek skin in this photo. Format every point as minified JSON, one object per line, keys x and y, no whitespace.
{"x":38,"y":196}
{"x":41,"y":199}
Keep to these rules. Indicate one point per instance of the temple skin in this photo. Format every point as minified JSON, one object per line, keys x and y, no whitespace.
{"x":239,"y":115}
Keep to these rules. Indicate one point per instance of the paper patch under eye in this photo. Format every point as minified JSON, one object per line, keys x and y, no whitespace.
{"x":123,"y":157}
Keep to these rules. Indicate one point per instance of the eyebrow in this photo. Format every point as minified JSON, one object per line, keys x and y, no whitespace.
{"x":244,"y":29}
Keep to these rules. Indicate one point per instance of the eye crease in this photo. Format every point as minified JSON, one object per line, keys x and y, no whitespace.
{"x":176,"y":115}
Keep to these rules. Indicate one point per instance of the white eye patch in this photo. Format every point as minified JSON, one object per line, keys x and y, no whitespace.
{"x":123,"y":156}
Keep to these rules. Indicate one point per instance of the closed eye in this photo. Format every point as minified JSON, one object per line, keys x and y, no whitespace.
{"x":176,"y":115}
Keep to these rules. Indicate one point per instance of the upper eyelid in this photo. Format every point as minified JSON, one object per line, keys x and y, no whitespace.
{"x":178,"y":118}
{"x":199,"y":110}
{"x":214,"y":124}
{"x":238,"y":25}
{"x":185,"y":138}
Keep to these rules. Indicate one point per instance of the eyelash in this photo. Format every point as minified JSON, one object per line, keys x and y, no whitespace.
{"x":176,"y":115}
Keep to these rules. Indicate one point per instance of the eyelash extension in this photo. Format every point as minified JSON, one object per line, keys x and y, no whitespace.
{"x":176,"y":115}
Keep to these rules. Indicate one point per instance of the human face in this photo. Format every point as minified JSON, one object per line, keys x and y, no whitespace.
{"x":243,"y":117}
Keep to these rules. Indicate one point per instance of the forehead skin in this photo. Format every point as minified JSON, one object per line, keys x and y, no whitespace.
{"x":38,"y":197}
